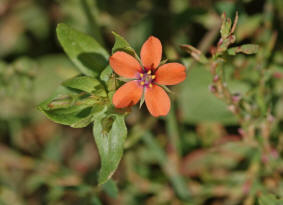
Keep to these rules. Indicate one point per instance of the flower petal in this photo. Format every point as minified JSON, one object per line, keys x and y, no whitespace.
{"x":157,"y":101}
{"x":151,"y":53}
{"x":125,"y":65}
{"x":170,"y":74}
{"x":127,"y":95}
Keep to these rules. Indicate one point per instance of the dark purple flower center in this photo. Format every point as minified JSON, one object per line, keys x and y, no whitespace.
{"x":146,"y":78}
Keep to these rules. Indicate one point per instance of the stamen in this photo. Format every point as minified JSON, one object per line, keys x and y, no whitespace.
{"x":149,"y":72}
{"x":142,"y":83}
{"x":150,"y":85}
{"x":141,"y":75}
{"x":153,"y":77}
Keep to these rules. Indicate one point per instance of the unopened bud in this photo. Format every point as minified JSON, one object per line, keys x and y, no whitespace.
{"x":215,"y":78}
{"x":213,"y":88}
{"x":236,"y":98}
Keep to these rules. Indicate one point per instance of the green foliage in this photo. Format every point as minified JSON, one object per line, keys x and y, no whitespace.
{"x":203,"y":105}
{"x":83,"y":99}
{"x":225,"y":27}
{"x":111,"y":188}
{"x":71,"y":109}
{"x":109,"y":132}
{"x":174,"y":177}
{"x":16,"y":84}
{"x":246,"y":49}
{"x":86,"y":84}
{"x":84,"y":51}
{"x":122,"y":45}
{"x":195,"y":53}
{"x":269,"y":199}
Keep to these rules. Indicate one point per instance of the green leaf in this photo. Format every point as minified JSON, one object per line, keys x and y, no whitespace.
{"x":109,"y":79}
{"x":74,"y":116}
{"x":95,"y":201}
{"x":269,"y":199}
{"x":226,"y":26}
{"x":86,"y":84}
{"x":142,"y":99}
{"x":122,"y":45}
{"x":106,"y":74}
{"x":85,"y":121}
{"x":195,"y":53}
{"x":85,"y":52}
{"x":70,"y":108}
{"x":198,"y":104}
{"x":55,"y":193}
{"x":246,"y":49}
{"x":109,"y":132}
{"x":83,"y":83}
{"x":111,"y":188}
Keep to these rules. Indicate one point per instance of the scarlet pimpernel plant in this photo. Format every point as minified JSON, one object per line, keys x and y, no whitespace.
{"x":146,"y":78}
{"x":87,"y":98}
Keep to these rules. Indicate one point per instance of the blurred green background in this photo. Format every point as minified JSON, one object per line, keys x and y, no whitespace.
{"x":194,"y":156}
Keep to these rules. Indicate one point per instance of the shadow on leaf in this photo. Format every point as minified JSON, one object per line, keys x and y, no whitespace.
{"x":94,"y":61}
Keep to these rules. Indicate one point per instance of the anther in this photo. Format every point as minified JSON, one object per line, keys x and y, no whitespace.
{"x":141,"y":75}
{"x":150,"y":85}
{"x":142,"y":83}
{"x":153,"y":77}
{"x":149,"y":72}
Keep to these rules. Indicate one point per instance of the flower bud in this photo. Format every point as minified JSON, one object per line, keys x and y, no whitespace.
{"x":213,"y":88}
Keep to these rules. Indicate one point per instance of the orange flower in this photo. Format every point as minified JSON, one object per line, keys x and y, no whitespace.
{"x":146,"y":78}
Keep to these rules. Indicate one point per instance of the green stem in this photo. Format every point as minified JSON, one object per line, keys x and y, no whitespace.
{"x":168,"y":166}
{"x":88,"y":8}
{"x":172,"y":130}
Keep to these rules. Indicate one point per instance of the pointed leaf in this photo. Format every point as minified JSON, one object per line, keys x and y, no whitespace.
{"x":111,"y":188}
{"x":246,"y":49}
{"x":226,"y":26}
{"x":122,"y":45}
{"x":85,"y":52}
{"x":69,"y":108}
{"x":195,"y":53}
{"x":109,"y":133}
{"x":83,"y":83}
{"x":106,"y":74}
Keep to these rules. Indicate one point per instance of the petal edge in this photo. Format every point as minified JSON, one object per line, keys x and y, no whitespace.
{"x":124,"y":64}
{"x":170,"y":74}
{"x":151,"y":53}
{"x":157,"y":101}
{"x":127,"y":95}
